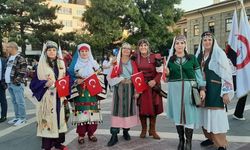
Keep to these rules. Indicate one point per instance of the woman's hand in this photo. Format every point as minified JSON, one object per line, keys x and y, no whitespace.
{"x":202,"y":95}
{"x":49,"y":83}
{"x":79,"y":81}
{"x":136,"y":95}
{"x":151,"y":83}
{"x":167,"y":71}
{"x":226,"y":99}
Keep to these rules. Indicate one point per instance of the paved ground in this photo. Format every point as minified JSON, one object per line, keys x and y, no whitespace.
{"x":24,"y":137}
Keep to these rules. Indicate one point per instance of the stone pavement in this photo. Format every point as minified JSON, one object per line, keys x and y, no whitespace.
{"x":24,"y":137}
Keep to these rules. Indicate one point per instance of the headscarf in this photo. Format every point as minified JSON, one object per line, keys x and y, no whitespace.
{"x":44,"y":70}
{"x":219,"y":62}
{"x":118,"y":79}
{"x":172,"y":49}
{"x":83,"y":67}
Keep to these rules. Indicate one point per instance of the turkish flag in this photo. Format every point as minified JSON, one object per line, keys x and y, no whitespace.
{"x":243,"y":56}
{"x":114,"y":72}
{"x":139,"y":82}
{"x":93,"y":85}
{"x":62,"y":86}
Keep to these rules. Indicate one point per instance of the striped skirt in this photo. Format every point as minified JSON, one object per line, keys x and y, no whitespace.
{"x":124,"y":109}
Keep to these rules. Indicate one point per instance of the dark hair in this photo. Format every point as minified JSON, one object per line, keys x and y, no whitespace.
{"x":174,"y":57}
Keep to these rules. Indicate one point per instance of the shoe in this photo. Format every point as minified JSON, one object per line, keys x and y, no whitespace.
{"x":237,"y":118}
{"x":20,"y":122}
{"x":2,"y":119}
{"x":222,"y":148}
{"x":81,"y":140}
{"x":206,"y":143}
{"x":92,"y":138}
{"x":61,"y":147}
{"x":13,"y":121}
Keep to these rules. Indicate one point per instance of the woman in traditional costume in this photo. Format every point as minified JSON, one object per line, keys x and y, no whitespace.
{"x":86,"y":108}
{"x":150,"y":102}
{"x":219,"y":90}
{"x":183,"y":70}
{"x":124,"y":109}
{"x":51,"y":123}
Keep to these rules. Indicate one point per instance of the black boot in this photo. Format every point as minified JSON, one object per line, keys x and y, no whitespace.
{"x":180,"y":130}
{"x":114,"y":138}
{"x":221,"y":148}
{"x":189,"y":135}
{"x":126,"y":135}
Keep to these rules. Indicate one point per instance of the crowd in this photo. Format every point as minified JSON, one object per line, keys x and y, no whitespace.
{"x":130,"y":107}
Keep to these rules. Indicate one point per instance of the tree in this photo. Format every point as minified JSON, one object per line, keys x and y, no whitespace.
{"x":107,"y":20}
{"x":32,"y":18}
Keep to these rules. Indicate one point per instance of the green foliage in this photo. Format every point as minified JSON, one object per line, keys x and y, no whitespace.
{"x":149,"y":19}
{"x":29,"y":19}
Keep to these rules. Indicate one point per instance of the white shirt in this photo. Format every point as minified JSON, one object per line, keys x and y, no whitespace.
{"x":9,"y":68}
{"x":106,"y":64}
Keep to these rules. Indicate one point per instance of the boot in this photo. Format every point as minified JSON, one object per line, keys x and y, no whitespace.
{"x":221,"y":148}
{"x":152,"y":131}
{"x":114,"y":138}
{"x":189,"y":135}
{"x":180,"y":130}
{"x":144,"y":126}
{"x":126,"y":135}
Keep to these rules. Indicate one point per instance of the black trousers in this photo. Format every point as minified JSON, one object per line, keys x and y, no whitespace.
{"x":239,"y":110}
{"x":3,"y":101}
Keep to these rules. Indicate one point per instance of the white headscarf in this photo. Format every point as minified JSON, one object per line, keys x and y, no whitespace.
{"x":44,"y":70}
{"x":85,"y":67}
{"x":219,"y":63}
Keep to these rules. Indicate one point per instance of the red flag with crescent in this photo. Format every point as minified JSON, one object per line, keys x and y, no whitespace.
{"x":139,"y":82}
{"x":93,"y":85}
{"x":115,"y":71}
{"x":62,"y":86}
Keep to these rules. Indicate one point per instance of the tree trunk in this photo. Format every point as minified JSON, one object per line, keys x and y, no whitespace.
{"x":23,"y":44}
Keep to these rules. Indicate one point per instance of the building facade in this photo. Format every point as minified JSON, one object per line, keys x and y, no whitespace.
{"x":70,"y":14}
{"x":216,"y":18}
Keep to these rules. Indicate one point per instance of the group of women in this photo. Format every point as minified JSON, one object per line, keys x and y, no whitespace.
{"x":209,"y":68}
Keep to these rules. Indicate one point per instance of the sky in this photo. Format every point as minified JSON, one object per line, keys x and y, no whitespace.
{"x":194,"y":4}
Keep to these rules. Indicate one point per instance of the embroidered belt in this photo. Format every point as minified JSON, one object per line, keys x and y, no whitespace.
{"x":85,"y":103}
{"x":126,"y":81}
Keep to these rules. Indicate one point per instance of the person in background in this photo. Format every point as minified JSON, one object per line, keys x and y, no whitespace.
{"x":67,"y":58}
{"x":3,"y":87}
{"x":124,"y":109}
{"x":14,"y":77}
{"x":51,"y":123}
{"x":183,"y":68}
{"x":150,"y":102}
{"x":106,"y":69}
{"x":219,"y":90}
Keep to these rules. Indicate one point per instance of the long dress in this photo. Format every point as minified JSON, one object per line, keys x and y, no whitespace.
{"x":51,"y":124}
{"x":179,"y":105}
{"x":214,"y":116}
{"x":150,"y":102}
{"x":124,"y":109}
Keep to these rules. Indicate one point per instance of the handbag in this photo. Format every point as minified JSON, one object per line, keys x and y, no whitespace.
{"x":159,"y":91}
{"x":196,"y":99}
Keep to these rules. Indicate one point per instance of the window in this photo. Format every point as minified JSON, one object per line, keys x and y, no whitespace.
{"x":228,"y":24}
{"x":211,"y":26}
{"x":79,"y":12}
{"x":196,"y":30}
{"x":196,"y":46}
{"x":66,"y":23}
{"x":185,"y":32}
{"x":64,"y":10}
